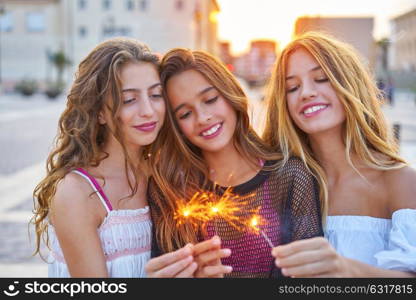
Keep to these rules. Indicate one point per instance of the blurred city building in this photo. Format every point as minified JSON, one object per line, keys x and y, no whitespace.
{"x":358,"y":31}
{"x":381,"y":69}
{"x":402,"y":50}
{"x":206,"y":25}
{"x":255,"y":66}
{"x":403,"y":47}
{"x":224,"y":53}
{"x":31,"y":30}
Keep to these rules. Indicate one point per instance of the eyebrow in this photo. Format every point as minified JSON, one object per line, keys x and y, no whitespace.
{"x":199,"y":94}
{"x":138,"y":90}
{"x":311,"y":70}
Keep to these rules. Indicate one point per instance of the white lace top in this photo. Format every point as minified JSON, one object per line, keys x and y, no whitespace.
{"x":125,"y":238}
{"x":384,"y":243}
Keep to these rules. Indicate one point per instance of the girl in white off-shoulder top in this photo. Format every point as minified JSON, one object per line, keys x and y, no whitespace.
{"x":386,"y":243}
{"x":325,"y":108}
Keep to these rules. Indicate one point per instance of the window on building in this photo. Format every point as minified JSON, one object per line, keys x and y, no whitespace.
{"x":6,"y":22}
{"x":106,"y":4}
{"x":179,"y":4}
{"x":124,"y":31}
{"x":35,"y":22}
{"x":129,"y":4}
{"x":143,"y":5}
{"x":82,"y":31}
{"x":108,"y":31}
{"x":82,"y":4}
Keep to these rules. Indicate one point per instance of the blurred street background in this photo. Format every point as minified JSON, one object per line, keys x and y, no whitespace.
{"x":42,"y":42}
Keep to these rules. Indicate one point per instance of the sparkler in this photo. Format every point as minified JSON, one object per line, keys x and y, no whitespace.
{"x":230,"y":207}
{"x":206,"y":206}
{"x":193,"y":211}
{"x":254,"y":224}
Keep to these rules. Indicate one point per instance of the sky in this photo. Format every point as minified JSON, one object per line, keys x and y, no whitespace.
{"x":240,"y":21}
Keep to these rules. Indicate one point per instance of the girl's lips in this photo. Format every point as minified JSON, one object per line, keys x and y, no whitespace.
{"x":146,"y":127}
{"x":213,"y":135}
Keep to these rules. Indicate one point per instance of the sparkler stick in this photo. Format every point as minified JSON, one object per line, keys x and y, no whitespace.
{"x":267,"y":239}
{"x":254,"y":223}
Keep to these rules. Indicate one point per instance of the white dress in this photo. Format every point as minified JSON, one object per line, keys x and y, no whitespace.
{"x":125,"y":238}
{"x":384,"y":243}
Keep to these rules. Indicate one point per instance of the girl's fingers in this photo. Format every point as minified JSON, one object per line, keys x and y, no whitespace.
{"x":308,"y":270}
{"x":301,"y":258}
{"x":174,"y":269}
{"x":188,"y":272}
{"x":167,"y":259}
{"x":213,"y":255}
{"x":213,"y":243}
{"x":300,"y":245}
{"x":214,"y":271}
{"x":323,"y":275}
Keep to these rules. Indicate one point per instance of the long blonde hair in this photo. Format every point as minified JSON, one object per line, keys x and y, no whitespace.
{"x":178,"y":166}
{"x":80,"y":138}
{"x":365,"y":131}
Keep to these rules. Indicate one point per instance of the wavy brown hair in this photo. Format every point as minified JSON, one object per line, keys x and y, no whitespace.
{"x":180,"y":169}
{"x":80,"y":138}
{"x":365,"y":131}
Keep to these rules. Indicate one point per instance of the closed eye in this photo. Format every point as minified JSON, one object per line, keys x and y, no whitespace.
{"x":325,"y":79}
{"x":127,"y":101}
{"x":185,"y":115}
{"x":156,"y":96}
{"x":212,"y":100}
{"x":292,"y":89}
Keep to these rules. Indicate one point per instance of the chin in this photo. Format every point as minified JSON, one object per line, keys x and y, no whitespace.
{"x":213,"y":148}
{"x":319,"y":129}
{"x":145,"y":141}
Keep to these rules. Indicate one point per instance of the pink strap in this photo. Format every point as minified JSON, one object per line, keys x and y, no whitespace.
{"x":97,"y":186}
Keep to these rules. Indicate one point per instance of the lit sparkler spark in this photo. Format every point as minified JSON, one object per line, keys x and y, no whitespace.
{"x":207,"y":206}
{"x":254,"y":224}
{"x":193,"y":211}
{"x":231,"y":207}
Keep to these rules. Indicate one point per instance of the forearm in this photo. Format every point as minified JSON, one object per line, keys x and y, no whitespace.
{"x":87,"y":272}
{"x":362,"y":270}
{"x":86,"y":264}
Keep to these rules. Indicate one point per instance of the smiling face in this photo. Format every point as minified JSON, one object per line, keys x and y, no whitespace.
{"x":311,"y":100}
{"x":142,"y":109}
{"x":205,"y":118}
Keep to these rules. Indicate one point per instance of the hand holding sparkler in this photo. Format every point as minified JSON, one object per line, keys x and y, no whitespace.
{"x":200,"y":260}
{"x":178,"y":264}
{"x":208,"y":255}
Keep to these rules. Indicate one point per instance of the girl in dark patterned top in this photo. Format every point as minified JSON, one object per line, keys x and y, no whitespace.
{"x":208,"y":139}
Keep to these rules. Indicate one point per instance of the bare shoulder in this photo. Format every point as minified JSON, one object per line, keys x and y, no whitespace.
{"x":401,"y":186}
{"x":73,"y":199}
{"x":72,"y":190}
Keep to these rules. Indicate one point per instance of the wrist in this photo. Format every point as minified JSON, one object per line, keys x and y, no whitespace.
{"x":350,"y":268}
